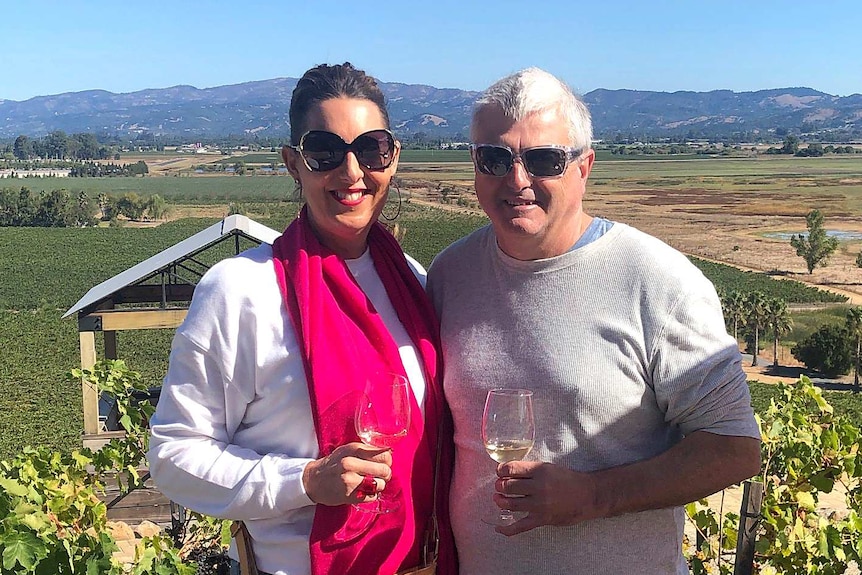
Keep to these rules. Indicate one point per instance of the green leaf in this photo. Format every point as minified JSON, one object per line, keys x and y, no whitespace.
{"x":81,"y":460}
{"x":22,"y":548}
{"x":12,"y":487}
{"x":805,"y":500}
{"x":38,"y":522}
{"x":823,"y":481}
{"x":776,"y":429}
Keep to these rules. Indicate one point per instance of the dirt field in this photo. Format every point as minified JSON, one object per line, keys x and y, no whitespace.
{"x":726,"y":225}
{"x":723,"y":214}
{"x":708,"y":224}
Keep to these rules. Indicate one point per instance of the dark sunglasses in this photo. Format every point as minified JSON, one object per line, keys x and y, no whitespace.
{"x":324,"y":151}
{"x":540,"y":162}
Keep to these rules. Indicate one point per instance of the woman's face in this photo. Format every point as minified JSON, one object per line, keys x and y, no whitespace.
{"x":343,"y":202}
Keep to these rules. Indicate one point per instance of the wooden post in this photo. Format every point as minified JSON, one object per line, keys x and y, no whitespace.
{"x":749,"y":521}
{"x":89,"y":393}
{"x":110,"y":345}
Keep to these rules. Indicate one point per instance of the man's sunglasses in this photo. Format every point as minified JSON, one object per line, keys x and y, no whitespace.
{"x":540,"y":162}
{"x":324,"y":151}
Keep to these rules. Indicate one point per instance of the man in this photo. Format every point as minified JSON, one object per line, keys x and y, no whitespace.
{"x":640,"y":401}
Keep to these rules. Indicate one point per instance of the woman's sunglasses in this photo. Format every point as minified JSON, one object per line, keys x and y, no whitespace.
{"x":324,"y":151}
{"x":540,"y":162}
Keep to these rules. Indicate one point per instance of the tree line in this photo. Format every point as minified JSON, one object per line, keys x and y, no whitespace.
{"x":792,"y":147}
{"x":61,"y":146}
{"x":81,"y":169}
{"x":64,"y":209}
{"x":833,"y":349}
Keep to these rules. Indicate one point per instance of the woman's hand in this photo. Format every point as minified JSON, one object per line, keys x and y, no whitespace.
{"x":336,"y":478}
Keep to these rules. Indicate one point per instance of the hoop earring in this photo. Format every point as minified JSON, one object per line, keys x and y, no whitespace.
{"x":398,"y":211}
{"x":297,"y":189}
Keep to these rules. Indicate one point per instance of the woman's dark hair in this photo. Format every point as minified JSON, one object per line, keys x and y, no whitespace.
{"x":325,"y":82}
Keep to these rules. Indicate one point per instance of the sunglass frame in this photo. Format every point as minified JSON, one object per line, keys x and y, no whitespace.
{"x":349,"y":147}
{"x":570,"y":155}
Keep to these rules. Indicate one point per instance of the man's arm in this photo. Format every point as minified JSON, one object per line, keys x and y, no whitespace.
{"x":699,"y":465}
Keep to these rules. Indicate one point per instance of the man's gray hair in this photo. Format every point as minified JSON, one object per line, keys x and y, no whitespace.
{"x":534,"y":90}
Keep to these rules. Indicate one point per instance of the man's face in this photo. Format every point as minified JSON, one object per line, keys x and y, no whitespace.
{"x":533,"y":217}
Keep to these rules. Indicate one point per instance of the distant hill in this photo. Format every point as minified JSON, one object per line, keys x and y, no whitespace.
{"x":262,"y":108}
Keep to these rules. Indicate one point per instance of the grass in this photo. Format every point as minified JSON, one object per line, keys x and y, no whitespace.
{"x":177,"y":189}
{"x":846,"y":403}
{"x":43,"y":272}
{"x":807,"y":321}
{"x":833,"y":178}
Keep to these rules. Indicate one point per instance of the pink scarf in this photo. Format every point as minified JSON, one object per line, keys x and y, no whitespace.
{"x":342,"y":338}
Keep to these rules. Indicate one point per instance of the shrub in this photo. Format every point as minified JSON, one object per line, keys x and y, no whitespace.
{"x":806,"y":450}
{"x":51,"y":518}
{"x":827,"y":350}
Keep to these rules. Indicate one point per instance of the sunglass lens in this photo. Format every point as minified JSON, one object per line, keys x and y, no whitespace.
{"x":494,"y":160}
{"x":545,"y":162}
{"x":323,"y":151}
{"x":374,"y":149}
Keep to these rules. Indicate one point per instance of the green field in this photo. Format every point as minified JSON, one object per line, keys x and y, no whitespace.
{"x":839,"y":175}
{"x":43,"y":272}
{"x":183,"y":189}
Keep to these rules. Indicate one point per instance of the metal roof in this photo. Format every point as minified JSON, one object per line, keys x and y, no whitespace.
{"x":234,"y":225}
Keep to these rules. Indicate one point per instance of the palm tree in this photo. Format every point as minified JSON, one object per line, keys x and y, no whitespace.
{"x":854,"y":328}
{"x":779,"y":322}
{"x":735,"y":310}
{"x":755,"y":318}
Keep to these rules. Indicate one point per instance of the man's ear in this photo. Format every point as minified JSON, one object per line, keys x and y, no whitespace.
{"x":586,"y":163}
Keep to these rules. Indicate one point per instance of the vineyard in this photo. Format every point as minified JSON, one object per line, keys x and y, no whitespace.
{"x":730,"y":279}
{"x":45,"y":271}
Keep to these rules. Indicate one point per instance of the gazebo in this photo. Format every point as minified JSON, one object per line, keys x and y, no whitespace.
{"x":153,"y":294}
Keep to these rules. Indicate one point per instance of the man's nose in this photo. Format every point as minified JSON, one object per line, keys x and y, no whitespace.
{"x":519,"y":176}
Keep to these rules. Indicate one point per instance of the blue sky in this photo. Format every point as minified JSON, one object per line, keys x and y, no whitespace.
{"x":51,"y":47}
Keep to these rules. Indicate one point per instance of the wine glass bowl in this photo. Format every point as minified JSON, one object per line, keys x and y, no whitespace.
{"x":508,"y":432}
{"x":382,"y":420}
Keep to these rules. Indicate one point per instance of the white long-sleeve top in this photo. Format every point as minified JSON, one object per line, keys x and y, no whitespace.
{"x":233,"y":429}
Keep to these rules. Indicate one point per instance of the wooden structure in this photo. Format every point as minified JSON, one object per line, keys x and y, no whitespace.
{"x":749,"y":522}
{"x":153,"y":294}
{"x":143,"y":503}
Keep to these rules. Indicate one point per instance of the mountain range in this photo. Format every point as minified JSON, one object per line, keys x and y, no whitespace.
{"x":261,"y":108}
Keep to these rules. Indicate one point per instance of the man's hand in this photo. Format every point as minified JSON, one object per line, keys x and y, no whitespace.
{"x":548,"y":493}
{"x":336,"y":478}
{"x":699,"y":465}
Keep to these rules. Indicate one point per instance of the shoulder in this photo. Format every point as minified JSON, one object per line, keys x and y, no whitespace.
{"x":655,"y":259}
{"x":240,"y":272}
{"x":417,"y":269}
{"x":233,"y":289}
{"x":462,"y":251}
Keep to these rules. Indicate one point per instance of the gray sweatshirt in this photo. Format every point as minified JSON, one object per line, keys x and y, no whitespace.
{"x":624,"y":345}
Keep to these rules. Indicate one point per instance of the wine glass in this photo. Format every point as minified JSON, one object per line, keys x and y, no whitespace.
{"x":508,"y":431}
{"x":382,"y":420}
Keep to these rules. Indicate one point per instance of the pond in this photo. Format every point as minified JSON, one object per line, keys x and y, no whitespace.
{"x":841,"y":235}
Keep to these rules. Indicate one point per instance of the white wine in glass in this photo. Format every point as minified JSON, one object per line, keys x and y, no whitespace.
{"x":506,"y":451}
{"x":382,"y":420}
{"x":508,"y":432}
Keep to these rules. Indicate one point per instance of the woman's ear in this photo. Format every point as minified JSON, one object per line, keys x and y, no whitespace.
{"x":393,"y":167}
{"x":291,"y":161}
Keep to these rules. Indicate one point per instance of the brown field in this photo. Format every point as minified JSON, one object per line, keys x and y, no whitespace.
{"x":724,"y":217}
{"x":718,"y":209}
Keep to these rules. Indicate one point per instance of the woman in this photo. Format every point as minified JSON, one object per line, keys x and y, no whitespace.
{"x":255,"y":418}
